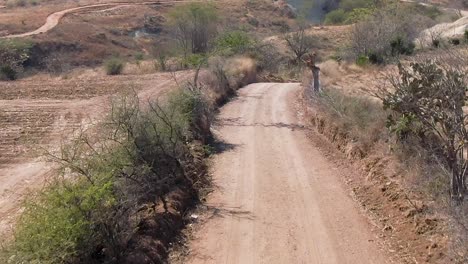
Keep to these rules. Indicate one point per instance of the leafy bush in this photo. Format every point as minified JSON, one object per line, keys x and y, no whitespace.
{"x":466,"y":36}
{"x":114,"y":66}
{"x":138,"y":58}
{"x":336,"y":17}
{"x":194,"y":60}
{"x":90,"y":213}
{"x":234,"y":42}
{"x":357,"y":15}
{"x":362,"y":61}
{"x":13,"y":55}
{"x":8,"y":73}
{"x":400,"y":46}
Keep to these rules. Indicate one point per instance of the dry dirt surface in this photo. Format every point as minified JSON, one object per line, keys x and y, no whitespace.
{"x":53,"y":19}
{"x":277,"y":198}
{"x":37,"y":115}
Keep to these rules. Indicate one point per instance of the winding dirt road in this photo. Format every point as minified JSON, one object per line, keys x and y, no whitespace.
{"x":53,"y":19}
{"x":277,"y":198}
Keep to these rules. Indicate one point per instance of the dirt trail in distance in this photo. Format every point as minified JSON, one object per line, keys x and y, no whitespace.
{"x":277,"y":199}
{"x":53,"y":19}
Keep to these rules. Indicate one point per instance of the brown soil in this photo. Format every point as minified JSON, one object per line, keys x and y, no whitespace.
{"x":277,"y":198}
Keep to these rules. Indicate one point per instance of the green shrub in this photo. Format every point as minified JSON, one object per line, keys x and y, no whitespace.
{"x":13,"y":55}
{"x":234,"y":42}
{"x":362,"y":61}
{"x":358,"y":14}
{"x":336,"y":17}
{"x":400,"y":46}
{"x":8,"y":73}
{"x":194,"y":60}
{"x":114,"y":66}
{"x":56,"y":225}
{"x":350,"y":5}
{"x":466,"y":36}
{"x":139,"y":57}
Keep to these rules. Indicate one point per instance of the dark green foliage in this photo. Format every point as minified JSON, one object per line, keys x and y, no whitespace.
{"x":114,"y":66}
{"x":376,"y":58}
{"x":13,"y":56}
{"x":362,"y":60}
{"x":8,"y":73}
{"x":336,"y":17}
{"x":401,"y":46}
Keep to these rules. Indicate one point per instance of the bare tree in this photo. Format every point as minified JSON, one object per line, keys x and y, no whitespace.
{"x":299,"y":42}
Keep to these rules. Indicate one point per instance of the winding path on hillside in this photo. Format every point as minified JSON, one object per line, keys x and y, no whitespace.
{"x":277,"y":198}
{"x":53,"y":19}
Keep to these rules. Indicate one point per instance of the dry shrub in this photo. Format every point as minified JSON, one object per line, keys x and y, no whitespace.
{"x":362,"y":118}
{"x":144,"y":67}
{"x":225,"y":76}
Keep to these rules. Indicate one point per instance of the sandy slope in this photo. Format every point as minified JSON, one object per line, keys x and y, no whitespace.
{"x":277,"y":198}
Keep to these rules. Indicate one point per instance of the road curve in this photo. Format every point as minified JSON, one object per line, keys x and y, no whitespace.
{"x":277,"y":198}
{"x":53,"y":19}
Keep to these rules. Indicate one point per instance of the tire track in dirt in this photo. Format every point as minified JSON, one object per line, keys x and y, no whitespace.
{"x":277,"y":198}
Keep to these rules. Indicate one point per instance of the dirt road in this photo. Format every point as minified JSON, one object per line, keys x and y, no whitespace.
{"x":53,"y":19}
{"x":277,"y":198}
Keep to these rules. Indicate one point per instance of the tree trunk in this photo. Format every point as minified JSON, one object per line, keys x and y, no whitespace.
{"x":316,"y":75}
{"x":457,"y":185}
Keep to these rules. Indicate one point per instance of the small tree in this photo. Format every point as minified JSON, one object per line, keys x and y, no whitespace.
{"x":114,"y":66}
{"x":299,"y":42}
{"x":194,"y":26}
{"x":13,"y":54}
{"x":431,"y":97}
